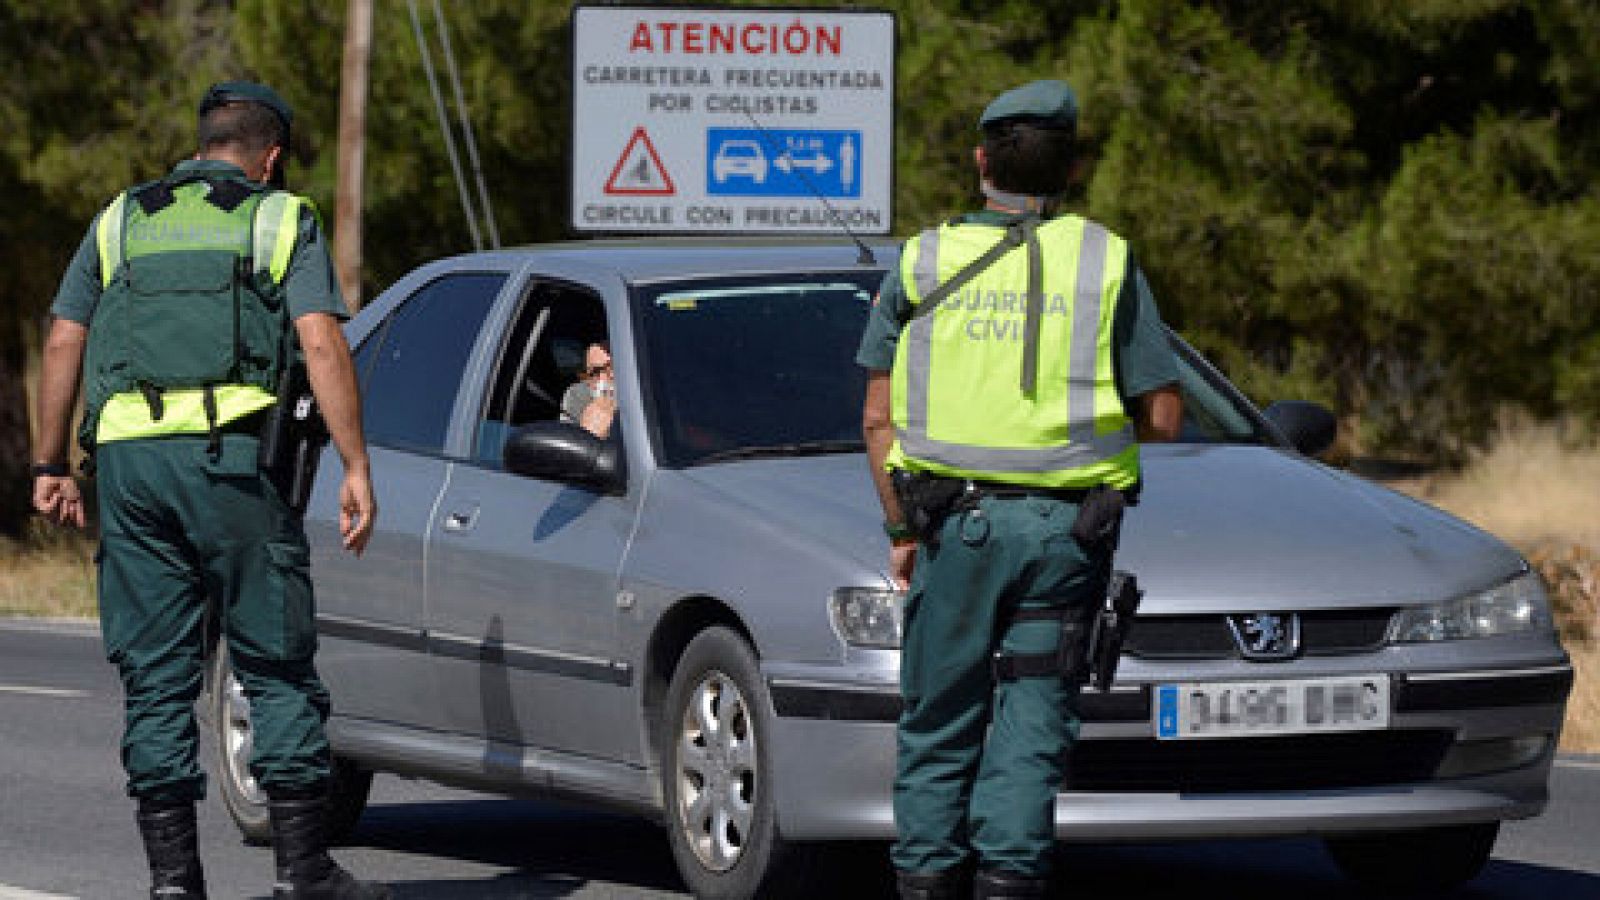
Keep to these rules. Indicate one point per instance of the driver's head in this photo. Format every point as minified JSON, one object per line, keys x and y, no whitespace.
{"x":597,"y":361}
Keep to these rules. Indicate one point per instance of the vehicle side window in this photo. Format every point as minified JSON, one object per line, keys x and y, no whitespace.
{"x":411,"y":366}
{"x":541,"y":358}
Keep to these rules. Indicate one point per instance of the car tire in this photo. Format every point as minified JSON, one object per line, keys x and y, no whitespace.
{"x":233,"y":736}
{"x":717,"y":777}
{"x":1424,"y":859}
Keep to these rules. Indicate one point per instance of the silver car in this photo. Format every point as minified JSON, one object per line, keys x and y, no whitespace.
{"x":691,"y":619}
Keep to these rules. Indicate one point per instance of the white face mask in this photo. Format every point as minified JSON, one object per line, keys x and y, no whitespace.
{"x":603,"y":387}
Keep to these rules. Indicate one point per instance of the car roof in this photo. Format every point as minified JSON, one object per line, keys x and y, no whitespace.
{"x":638,"y":260}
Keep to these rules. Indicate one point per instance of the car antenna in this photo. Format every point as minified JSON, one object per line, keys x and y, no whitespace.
{"x":866,"y":258}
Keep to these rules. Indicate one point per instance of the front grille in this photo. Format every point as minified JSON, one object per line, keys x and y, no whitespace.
{"x":1322,"y":633}
{"x":1282,"y":763}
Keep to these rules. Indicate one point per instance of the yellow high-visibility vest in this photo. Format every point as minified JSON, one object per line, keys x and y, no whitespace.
{"x":958,"y":405}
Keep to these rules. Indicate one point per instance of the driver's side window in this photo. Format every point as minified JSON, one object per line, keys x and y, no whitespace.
{"x":541,"y":359}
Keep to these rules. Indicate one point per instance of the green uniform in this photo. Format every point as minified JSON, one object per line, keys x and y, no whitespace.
{"x":185,"y":520}
{"x":980,"y":759}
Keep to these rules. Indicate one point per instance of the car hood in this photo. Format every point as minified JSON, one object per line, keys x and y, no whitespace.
{"x":829,"y":499}
{"x":1219,"y":528}
{"x":1224,"y":527}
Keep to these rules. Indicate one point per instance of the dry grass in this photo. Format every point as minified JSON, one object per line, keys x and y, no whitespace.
{"x":49,"y":573}
{"x":1538,"y":489}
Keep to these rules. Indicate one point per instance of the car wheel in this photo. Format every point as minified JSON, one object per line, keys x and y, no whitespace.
{"x":1424,"y":859}
{"x":717,"y":779}
{"x":234,"y":738}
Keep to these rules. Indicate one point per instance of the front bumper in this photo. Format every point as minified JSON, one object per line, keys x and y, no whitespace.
{"x":834,"y":755}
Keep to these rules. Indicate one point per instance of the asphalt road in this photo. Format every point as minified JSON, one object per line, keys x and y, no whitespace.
{"x":66,"y":827}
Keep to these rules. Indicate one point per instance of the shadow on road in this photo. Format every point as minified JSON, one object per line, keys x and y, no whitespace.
{"x":553,"y":852}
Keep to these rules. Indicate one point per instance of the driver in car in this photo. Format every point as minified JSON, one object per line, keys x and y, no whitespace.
{"x":591,"y":401}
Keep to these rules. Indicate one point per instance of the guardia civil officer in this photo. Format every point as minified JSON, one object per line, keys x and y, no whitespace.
{"x":181,"y":312}
{"x":1016,"y":359}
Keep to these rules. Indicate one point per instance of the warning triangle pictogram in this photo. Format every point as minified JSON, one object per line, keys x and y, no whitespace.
{"x":639,"y":171}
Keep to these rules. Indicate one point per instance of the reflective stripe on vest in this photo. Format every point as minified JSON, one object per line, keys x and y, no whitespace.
{"x":108,"y":238}
{"x":126,"y":416}
{"x":1095,"y":441}
{"x":277,"y":225}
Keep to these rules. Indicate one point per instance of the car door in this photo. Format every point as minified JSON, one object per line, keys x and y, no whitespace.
{"x":523,"y":573}
{"x":374,"y":652}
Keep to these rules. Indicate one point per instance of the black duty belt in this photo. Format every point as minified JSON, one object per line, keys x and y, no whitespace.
{"x":1003,"y":489}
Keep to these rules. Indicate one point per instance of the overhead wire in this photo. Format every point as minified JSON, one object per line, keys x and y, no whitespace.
{"x":444,"y":127}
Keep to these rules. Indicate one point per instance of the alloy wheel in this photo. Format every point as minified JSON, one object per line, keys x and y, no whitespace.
{"x":717,"y":772}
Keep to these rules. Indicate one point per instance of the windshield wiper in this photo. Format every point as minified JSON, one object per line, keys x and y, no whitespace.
{"x":778,"y":451}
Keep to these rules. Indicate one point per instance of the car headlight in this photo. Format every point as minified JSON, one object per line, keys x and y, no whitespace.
{"x":868,"y":617}
{"x":1508,"y":608}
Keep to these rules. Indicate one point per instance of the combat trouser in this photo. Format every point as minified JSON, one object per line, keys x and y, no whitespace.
{"x":181,"y":524}
{"x":980,"y":760}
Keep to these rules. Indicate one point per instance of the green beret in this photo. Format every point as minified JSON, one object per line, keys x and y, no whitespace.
{"x":1049,"y":103}
{"x":229,"y":91}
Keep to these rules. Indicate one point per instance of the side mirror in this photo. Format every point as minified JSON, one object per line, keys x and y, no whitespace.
{"x":1310,"y":427}
{"x":559,"y":451}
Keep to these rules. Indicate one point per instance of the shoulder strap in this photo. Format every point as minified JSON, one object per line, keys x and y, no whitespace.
{"x":108,"y":237}
{"x":276,"y":227}
{"x":1016,"y":233}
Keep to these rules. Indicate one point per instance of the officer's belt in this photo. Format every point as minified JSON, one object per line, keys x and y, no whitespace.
{"x":977,"y":488}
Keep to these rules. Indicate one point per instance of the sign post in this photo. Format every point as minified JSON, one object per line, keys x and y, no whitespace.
{"x":713,"y":120}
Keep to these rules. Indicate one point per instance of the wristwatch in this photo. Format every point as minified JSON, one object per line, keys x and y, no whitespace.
{"x":899,"y":532}
{"x":55,"y":469}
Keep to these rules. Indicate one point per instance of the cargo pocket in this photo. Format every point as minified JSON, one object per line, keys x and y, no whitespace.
{"x":291,"y":605}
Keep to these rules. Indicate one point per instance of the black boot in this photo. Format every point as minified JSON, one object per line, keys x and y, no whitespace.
{"x":173,"y":848}
{"x":945,"y":884}
{"x":300,"y":846}
{"x":995,"y":884}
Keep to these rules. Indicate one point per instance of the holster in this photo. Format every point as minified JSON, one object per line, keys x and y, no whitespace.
{"x":1110,"y":628}
{"x":292,"y":438}
{"x":926,"y":500}
{"x":1099,"y":520}
{"x":1092,"y":660}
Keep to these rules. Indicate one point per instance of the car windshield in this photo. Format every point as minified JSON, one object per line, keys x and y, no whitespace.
{"x":748,"y":367}
{"x":760,"y":367}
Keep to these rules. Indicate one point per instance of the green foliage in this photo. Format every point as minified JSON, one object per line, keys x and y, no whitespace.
{"x":1386,"y":207}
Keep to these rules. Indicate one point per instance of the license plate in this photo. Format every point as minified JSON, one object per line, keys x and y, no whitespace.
{"x":1301,"y":706}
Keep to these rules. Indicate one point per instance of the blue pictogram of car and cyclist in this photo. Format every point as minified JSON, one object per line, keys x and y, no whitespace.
{"x":776,"y":162}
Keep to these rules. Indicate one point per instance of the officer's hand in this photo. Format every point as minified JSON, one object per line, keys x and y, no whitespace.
{"x":357,"y":509}
{"x":902,"y":558}
{"x":57,"y":499}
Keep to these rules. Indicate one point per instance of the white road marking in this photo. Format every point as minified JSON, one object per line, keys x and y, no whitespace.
{"x":38,"y":692}
{"x":1581,"y":762}
{"x":14,"y":893}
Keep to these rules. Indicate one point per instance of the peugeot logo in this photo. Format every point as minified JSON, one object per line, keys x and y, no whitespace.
{"x":1266,"y":636}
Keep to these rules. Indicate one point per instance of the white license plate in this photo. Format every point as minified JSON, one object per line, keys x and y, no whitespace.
{"x":1241,"y":708}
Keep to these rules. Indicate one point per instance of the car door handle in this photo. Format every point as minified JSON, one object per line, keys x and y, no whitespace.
{"x":459,"y":522}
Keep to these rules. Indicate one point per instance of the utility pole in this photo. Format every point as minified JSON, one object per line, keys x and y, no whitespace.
{"x":352,"y":149}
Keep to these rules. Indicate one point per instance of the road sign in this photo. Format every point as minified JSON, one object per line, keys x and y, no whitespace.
{"x":713,"y":119}
{"x":639,"y":172}
{"x":754,"y":162}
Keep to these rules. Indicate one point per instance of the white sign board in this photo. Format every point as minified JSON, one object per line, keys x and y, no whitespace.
{"x":718,"y":120}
